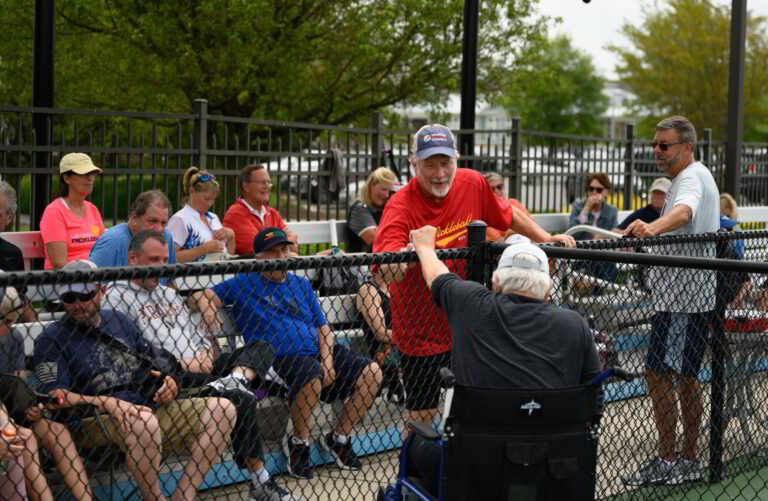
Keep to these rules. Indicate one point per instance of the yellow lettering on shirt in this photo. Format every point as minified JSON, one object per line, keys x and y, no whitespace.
{"x":452,"y":231}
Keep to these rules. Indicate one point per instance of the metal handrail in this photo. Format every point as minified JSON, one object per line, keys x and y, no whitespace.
{"x":594,"y":230}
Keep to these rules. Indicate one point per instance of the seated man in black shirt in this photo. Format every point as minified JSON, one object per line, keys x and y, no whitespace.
{"x":652,"y":211}
{"x":510,"y":337}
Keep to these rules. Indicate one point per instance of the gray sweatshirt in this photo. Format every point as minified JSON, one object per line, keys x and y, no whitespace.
{"x":161,"y":315}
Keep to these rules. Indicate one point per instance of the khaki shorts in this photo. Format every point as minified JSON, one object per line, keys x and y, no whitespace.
{"x":179,"y":421}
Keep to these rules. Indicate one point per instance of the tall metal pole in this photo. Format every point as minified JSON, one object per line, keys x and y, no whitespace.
{"x":42,"y":96}
{"x":469,"y":79}
{"x":735,"y":126}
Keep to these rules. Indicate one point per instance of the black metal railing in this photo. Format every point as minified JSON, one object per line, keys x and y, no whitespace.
{"x":140,"y":151}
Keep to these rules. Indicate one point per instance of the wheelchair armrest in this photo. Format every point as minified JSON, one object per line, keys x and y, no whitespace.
{"x":422,"y":430}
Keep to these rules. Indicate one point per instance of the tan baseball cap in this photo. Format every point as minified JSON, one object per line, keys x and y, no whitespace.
{"x":661,"y":184}
{"x":78,"y":163}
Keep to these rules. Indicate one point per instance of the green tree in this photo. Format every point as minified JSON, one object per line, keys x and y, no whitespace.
{"x":322,"y":61}
{"x":678,"y":64}
{"x":556,"y":89}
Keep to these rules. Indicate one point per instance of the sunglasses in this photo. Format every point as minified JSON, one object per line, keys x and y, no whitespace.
{"x":596,"y":189}
{"x":204,"y":178}
{"x":75,"y":297}
{"x":498,"y":188}
{"x":664,"y":146}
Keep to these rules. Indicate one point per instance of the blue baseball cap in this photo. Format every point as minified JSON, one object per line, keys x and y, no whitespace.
{"x":434,"y":139}
{"x":268,"y":238}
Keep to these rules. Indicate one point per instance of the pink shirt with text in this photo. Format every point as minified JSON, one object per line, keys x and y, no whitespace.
{"x":59,"y":224}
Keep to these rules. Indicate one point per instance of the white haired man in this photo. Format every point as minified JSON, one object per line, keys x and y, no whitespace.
{"x":448,"y":198}
{"x":508,"y":337}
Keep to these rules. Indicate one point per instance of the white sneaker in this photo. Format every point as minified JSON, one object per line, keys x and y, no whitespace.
{"x":229,"y":383}
{"x":270,"y":491}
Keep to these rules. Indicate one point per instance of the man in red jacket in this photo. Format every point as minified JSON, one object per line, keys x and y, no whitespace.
{"x":448,"y":198}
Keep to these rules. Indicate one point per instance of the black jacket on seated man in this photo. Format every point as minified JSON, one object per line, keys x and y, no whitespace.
{"x":504,"y":338}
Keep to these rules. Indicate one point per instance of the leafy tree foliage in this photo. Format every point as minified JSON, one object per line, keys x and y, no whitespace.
{"x":679,"y":61}
{"x":322,"y":61}
{"x":557,"y":89}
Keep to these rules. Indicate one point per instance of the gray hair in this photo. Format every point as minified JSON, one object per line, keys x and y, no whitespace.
{"x":147,"y":199}
{"x":523,"y":280}
{"x":685,"y":129}
{"x":493,"y":176}
{"x":7,"y":191}
{"x":137,"y":241}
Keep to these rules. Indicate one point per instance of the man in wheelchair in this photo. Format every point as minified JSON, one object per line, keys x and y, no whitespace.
{"x":509,"y":338}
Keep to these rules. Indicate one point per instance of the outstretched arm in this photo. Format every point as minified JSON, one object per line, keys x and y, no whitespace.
{"x":423,"y":241}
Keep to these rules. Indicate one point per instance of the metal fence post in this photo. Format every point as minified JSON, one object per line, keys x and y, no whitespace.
{"x":629,"y":168}
{"x":42,"y":97}
{"x":706,"y":156}
{"x":201,"y":131}
{"x":516,"y":153}
{"x":476,"y":241}
{"x":377,"y":123}
{"x":717,"y":403}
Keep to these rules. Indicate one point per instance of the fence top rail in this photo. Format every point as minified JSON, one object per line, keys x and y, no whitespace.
{"x":98,"y":113}
{"x":282,"y":123}
{"x":667,"y":261}
{"x":558,"y":135}
{"x":672,"y":240}
{"x":104,"y":275}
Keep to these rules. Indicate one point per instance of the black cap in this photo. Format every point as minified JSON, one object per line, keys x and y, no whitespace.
{"x":268,"y":238}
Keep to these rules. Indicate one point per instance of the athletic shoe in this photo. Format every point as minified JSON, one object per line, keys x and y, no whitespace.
{"x":656,"y":471}
{"x":685,"y":470}
{"x":270,"y":491}
{"x":342,"y":453}
{"x":297,"y":458}
{"x":230,"y":383}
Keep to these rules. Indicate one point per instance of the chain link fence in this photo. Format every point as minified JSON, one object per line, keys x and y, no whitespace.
{"x":291,"y":377}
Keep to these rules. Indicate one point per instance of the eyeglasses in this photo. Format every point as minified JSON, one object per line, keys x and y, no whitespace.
{"x":91,"y":174}
{"x":498,"y":188}
{"x":596,"y":189}
{"x":75,"y":297}
{"x":261,"y":183}
{"x":664,"y":146}
{"x":204,"y":178}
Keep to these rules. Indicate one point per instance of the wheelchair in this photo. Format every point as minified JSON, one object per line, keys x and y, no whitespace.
{"x":510,"y":444}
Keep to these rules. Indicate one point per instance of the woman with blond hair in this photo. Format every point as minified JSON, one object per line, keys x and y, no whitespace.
{"x":365,"y":213}
{"x":729,"y":207}
{"x":196,"y":230}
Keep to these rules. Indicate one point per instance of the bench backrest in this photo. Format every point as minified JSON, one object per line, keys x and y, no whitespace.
{"x":29,"y":242}
{"x":320,"y":232}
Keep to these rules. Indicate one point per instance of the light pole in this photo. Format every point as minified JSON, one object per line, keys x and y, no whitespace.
{"x":468,"y":81}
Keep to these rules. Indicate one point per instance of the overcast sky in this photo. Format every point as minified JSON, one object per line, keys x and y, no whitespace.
{"x":594,"y":25}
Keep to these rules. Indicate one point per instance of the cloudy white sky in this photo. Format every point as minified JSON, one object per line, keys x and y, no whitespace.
{"x":594,"y":25}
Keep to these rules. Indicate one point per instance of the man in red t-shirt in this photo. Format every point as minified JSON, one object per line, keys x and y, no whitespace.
{"x":448,"y":198}
{"x":250,"y":214}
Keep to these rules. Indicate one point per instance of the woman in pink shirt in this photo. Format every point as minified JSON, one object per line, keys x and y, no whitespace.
{"x":71,"y":224}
